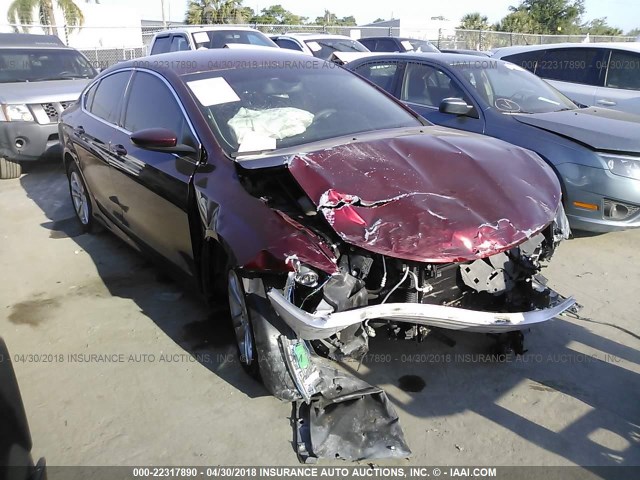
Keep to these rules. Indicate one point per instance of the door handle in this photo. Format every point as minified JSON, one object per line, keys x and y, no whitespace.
{"x":79,"y":130}
{"x":119,"y":150}
{"x":606,"y":103}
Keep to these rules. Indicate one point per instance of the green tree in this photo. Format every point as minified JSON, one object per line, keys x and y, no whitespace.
{"x":634,"y":33}
{"x":599,"y":26}
{"x":544,"y":17}
{"x":519,"y":22}
{"x":474,"y":21}
{"x":21,"y":12}
{"x":201,"y":12}
{"x":327,"y":19}
{"x":277,"y":15}
{"x":330,"y":18}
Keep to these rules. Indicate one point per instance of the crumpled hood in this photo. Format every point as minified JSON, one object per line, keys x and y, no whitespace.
{"x":442,"y":196}
{"x":599,"y":128}
{"x":42,"y":92}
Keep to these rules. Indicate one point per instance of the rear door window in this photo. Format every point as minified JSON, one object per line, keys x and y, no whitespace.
{"x":161,"y":45}
{"x":624,"y":70}
{"x":106,"y":100}
{"x":575,"y":65}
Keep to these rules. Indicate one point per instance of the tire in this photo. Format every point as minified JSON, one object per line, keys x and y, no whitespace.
{"x":80,"y":198}
{"x":257,"y":329}
{"x":9,"y":168}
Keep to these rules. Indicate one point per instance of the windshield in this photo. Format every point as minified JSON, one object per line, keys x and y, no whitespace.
{"x":510,"y":88}
{"x":324,"y":47}
{"x":291,"y":104}
{"x":220,"y":38}
{"x":421,"y":46}
{"x":33,"y":65}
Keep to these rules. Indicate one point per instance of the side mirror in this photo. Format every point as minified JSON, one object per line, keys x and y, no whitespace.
{"x":159,"y":140}
{"x":455,"y":106}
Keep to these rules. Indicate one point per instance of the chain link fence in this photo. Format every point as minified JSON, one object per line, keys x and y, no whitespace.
{"x":103,"y":57}
{"x":487,"y":40}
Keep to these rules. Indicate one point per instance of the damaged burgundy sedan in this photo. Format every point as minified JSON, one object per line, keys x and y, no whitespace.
{"x":323,"y":207}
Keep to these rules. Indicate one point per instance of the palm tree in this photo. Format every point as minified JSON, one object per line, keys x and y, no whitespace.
{"x":21,"y":12}
{"x":201,"y":12}
{"x":474,"y":21}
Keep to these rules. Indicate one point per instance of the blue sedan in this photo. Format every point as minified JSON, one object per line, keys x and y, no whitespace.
{"x":594,"y":151}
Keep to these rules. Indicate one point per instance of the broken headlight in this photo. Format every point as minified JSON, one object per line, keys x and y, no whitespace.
{"x":303,"y":274}
{"x":624,"y":166}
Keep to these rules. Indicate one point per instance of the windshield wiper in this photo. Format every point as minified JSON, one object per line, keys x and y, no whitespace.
{"x":62,"y":77}
{"x":251,"y":153}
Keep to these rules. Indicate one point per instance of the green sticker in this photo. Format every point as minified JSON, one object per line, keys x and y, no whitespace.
{"x":301,"y":355}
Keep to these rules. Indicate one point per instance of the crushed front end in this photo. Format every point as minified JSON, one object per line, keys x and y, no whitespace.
{"x":500,"y":293}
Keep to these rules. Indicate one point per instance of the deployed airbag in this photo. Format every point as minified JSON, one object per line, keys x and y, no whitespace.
{"x":275,"y":123}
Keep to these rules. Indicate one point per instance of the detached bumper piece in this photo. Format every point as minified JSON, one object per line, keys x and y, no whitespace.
{"x":317,"y":326}
{"x":341,"y":416}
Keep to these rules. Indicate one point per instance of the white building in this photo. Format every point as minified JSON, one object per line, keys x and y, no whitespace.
{"x":412,"y":27}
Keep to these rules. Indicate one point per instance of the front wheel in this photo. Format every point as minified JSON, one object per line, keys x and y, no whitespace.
{"x":80,"y":198}
{"x":257,"y":329}
{"x":9,"y":168}
{"x":241,"y":323}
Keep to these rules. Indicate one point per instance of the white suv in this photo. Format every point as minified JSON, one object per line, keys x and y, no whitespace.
{"x":193,"y":38}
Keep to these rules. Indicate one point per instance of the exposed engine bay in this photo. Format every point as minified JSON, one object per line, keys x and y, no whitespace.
{"x":503,"y":283}
{"x":402,"y":261}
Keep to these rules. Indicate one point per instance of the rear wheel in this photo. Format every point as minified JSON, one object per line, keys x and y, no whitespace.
{"x":80,"y":198}
{"x":9,"y":168}
{"x":257,"y":329}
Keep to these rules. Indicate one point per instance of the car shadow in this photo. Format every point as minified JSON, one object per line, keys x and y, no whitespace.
{"x":205,"y":334}
{"x":423,"y":380}
{"x":437,"y":380}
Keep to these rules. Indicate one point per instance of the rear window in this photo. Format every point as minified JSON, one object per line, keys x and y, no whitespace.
{"x":220,"y":38}
{"x":324,"y":47}
{"x":38,"y":65}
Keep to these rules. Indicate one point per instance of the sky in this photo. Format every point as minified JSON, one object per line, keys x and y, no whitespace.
{"x":624,"y":14}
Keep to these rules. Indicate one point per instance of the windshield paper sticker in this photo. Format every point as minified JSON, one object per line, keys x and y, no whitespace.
{"x":201,"y":37}
{"x":213,"y":91}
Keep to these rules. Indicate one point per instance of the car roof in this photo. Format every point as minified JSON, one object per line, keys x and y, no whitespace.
{"x":21,"y":40}
{"x":212,"y":28}
{"x":314,"y":36}
{"x":214,"y":59}
{"x":435,"y":57}
{"x":630,"y":46}
{"x":382,"y":37}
